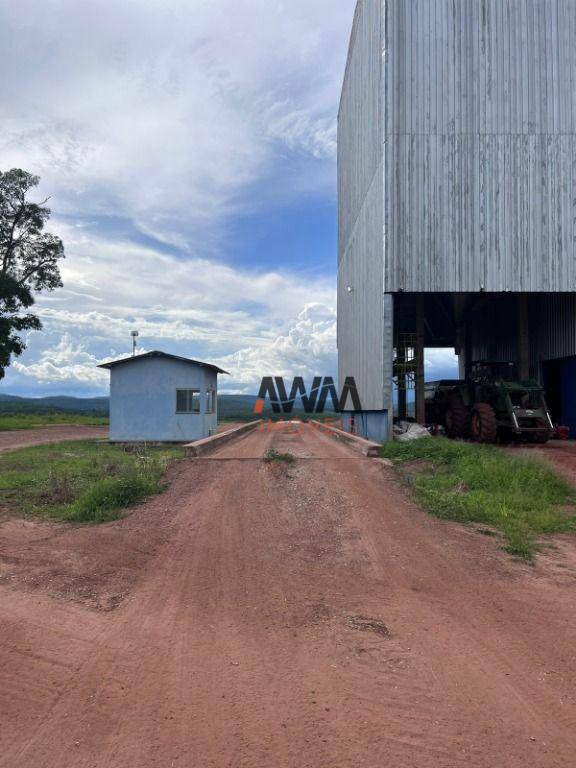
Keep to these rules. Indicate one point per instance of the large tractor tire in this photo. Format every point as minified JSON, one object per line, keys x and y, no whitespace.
{"x":457,"y":418}
{"x":484,"y":425}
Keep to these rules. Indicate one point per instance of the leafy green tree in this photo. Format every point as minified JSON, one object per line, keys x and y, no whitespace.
{"x":28,"y":260}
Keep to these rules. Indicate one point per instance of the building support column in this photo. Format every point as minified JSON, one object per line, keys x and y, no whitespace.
{"x":461,"y":333}
{"x":402,"y":401}
{"x":388,"y":370}
{"x":523,"y":337}
{"x":419,"y":354}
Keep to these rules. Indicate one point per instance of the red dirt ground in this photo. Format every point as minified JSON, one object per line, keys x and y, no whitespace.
{"x":283,"y":616}
{"x":24,"y":438}
{"x":562,"y":454}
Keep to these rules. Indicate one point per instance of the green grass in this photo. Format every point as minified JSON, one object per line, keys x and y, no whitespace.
{"x":520,"y":496}
{"x":10,"y":421}
{"x":273,"y":456}
{"x":84,"y":482}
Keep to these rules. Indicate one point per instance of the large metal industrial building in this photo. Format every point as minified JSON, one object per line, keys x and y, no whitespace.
{"x":457,"y":196}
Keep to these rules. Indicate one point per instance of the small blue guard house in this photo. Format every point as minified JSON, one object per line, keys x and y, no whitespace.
{"x":162,"y":398}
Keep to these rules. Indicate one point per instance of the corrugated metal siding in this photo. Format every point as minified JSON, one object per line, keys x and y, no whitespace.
{"x":553,"y":326}
{"x":361,"y":330}
{"x":480,"y":126}
{"x":360,"y":132}
{"x":552,"y":329}
{"x":493,"y":329}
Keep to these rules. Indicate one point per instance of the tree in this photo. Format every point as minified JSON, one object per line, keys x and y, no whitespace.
{"x":28,"y":260}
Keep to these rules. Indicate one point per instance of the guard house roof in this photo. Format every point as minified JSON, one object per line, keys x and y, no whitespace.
{"x":132,"y":358}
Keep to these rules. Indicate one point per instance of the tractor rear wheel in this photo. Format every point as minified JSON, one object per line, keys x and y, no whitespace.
{"x":457,"y":418}
{"x":484,"y":424}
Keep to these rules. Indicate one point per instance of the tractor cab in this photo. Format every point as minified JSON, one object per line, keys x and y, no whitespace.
{"x":491,"y":404}
{"x":501,"y":405}
{"x":491,"y":372}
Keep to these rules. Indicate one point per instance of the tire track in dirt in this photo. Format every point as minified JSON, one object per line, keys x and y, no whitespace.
{"x":494,"y":649}
{"x":236,"y":647}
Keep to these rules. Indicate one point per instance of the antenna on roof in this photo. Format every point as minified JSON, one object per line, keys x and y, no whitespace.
{"x":134,"y":335}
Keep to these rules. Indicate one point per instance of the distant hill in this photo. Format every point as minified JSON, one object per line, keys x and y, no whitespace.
{"x":16,"y":404}
{"x":230,"y":407}
{"x":240,"y":407}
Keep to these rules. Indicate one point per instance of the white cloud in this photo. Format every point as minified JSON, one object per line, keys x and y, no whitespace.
{"x":441,"y":363}
{"x":111,"y":286}
{"x":167,"y":112}
{"x":307,"y":349}
{"x":248,"y":322}
{"x":171,"y":120}
{"x":300,"y":131}
{"x":68,"y":362}
{"x":440,"y":357}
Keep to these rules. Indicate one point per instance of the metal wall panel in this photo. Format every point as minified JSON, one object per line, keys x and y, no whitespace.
{"x":361,"y":329}
{"x":552,"y":329}
{"x":456,"y":167}
{"x":360,"y":132}
{"x":480,"y":138}
{"x":553,"y":326}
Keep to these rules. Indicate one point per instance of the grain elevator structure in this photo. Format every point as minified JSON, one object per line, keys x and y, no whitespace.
{"x":457,"y":197}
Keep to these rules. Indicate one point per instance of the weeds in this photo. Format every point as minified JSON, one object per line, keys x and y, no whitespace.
{"x":110,"y":495}
{"x":273,"y":456}
{"x":519,"y":496}
{"x":86,"y":482}
{"x":58,"y":490}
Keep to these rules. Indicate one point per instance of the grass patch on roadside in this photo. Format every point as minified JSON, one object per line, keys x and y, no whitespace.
{"x":81,"y":482}
{"x":520,"y":496}
{"x":12,"y":421}
{"x":273,"y":456}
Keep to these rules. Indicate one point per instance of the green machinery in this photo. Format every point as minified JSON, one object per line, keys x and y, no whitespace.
{"x":490,"y":404}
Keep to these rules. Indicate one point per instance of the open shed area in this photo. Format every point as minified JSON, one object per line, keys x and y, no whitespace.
{"x":534,"y":332}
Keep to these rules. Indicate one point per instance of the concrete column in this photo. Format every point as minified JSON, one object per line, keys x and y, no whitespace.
{"x":419,"y":352}
{"x":523,"y":337}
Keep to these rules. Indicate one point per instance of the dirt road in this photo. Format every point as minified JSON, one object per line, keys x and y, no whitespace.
{"x":24,"y":438}
{"x":290,"y":617}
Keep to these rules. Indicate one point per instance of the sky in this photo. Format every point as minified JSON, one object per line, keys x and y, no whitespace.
{"x":189,"y":152}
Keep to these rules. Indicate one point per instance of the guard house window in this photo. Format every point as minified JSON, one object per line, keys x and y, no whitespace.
{"x":210,"y":401}
{"x":187,"y":401}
